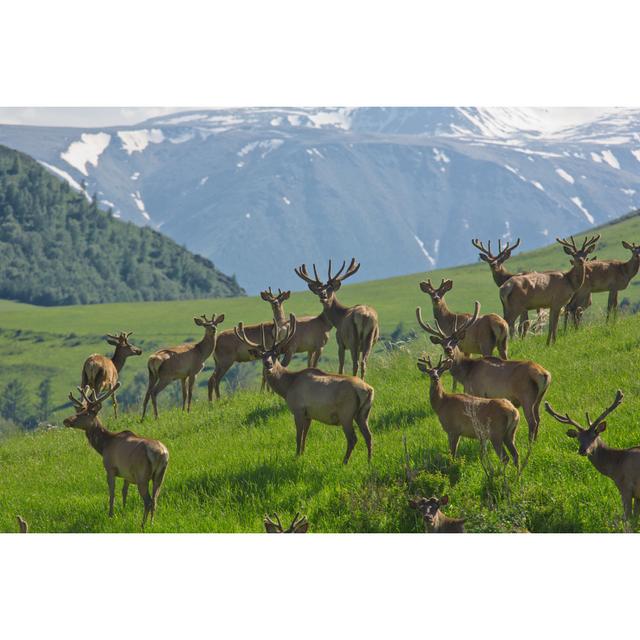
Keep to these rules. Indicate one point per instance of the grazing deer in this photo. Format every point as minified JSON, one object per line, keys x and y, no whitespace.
{"x":23,"y":527}
{"x":312,"y":394}
{"x":101,"y":373}
{"x":621,"y":465}
{"x":460,"y":414}
{"x":550,"y":290}
{"x":356,"y":327}
{"x":182,"y":363}
{"x":298,"y":525}
{"x":601,"y":276}
{"x":434,"y":520}
{"x":125,"y":455}
{"x":522,"y":382}
{"x":487,"y":333}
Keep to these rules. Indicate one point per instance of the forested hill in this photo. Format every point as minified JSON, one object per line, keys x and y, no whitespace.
{"x":58,"y":248}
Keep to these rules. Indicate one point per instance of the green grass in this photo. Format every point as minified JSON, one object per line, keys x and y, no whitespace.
{"x":233,"y":461}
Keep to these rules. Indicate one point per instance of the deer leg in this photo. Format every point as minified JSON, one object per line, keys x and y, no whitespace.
{"x":125,"y":490}
{"x":340,"y":358}
{"x":305,"y":430}
{"x":111,"y":481}
{"x":351,"y":437}
{"x":158,"y":478}
{"x":154,"y":394}
{"x":627,"y":499}
{"x":314,"y":357}
{"x":554,"y":316}
{"x":143,"y":489}
{"x":532,"y":422}
{"x":496,"y":442}
{"x":301,"y":423}
{"x":363,"y":425}
{"x":510,"y":444}
{"x":216,"y":379}
{"x":454,"y":439}
{"x":115,"y":406}
{"x":183,"y":382}
{"x":612,"y":304}
{"x":354,"y":359}
{"x":192,"y":379}
{"x":147,"y":395}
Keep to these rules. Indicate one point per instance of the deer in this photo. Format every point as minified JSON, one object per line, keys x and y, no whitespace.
{"x":101,"y":373}
{"x":312,"y":394}
{"x":312,"y":332}
{"x":601,"y":276}
{"x":522,"y":382}
{"x":182,"y":363}
{"x":489,"y":332}
{"x":621,"y":465}
{"x":23,"y":527}
{"x":549,"y":290}
{"x":124,"y":454}
{"x":434,"y":520}
{"x":298,"y":525}
{"x":492,"y":419}
{"x":356,"y":327}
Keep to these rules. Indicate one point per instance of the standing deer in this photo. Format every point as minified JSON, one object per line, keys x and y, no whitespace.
{"x":125,"y":455}
{"x":550,"y":290}
{"x":487,"y":333}
{"x":434,"y":520}
{"x":460,"y":414}
{"x":601,"y":276}
{"x":298,"y":525}
{"x":312,"y":394}
{"x":101,"y":373}
{"x":522,"y":382}
{"x":312,"y":332}
{"x":182,"y":363}
{"x":356,"y":327}
{"x":621,"y":465}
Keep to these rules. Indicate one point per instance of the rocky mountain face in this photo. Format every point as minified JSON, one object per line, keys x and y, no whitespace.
{"x":261,"y":190}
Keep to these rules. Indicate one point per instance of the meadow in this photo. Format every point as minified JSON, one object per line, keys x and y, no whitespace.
{"x":232,"y":461}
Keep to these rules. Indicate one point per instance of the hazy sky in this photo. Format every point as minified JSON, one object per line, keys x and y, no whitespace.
{"x":81,"y":116}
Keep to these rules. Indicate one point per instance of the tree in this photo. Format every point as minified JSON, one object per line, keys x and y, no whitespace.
{"x":15,"y":405}
{"x":44,"y":399}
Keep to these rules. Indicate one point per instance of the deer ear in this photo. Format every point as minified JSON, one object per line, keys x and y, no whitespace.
{"x":220,"y":318}
{"x":567,"y":250}
{"x":572,"y":433}
{"x":198,"y":321}
{"x":286,"y":295}
{"x":112,"y":342}
{"x":336,"y":285}
{"x":422,"y":366}
{"x":413,"y":503}
{"x":424,"y":287}
{"x":448,"y":285}
{"x":264,"y":295}
{"x":302,"y":528}
{"x":485,"y":258}
{"x":461,"y":334}
{"x":271,"y":528}
{"x":254,"y":353}
{"x":444,"y":500}
{"x":434,"y":340}
{"x":626,"y":245}
{"x":601,"y":427}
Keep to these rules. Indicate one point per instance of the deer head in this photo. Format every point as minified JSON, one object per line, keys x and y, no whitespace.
{"x":268,"y":355}
{"x":87,"y":407}
{"x":494,"y":260}
{"x":435,"y":373}
{"x":439,"y":293}
{"x":633,"y":247}
{"x":275,"y":300}
{"x":326,"y":290}
{"x":209,"y":325}
{"x":587,"y":437}
{"x":122,"y":344}
{"x":299,"y":524}
{"x":570,"y":248}
{"x":448,"y":342}
{"x":429,"y":507}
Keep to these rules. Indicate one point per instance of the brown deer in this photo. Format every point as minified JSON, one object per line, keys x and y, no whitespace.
{"x":434,"y":520}
{"x":490,"y":331}
{"x":101,"y":373}
{"x":356,"y":327}
{"x":601,"y":276}
{"x":23,"y":527}
{"x":495,"y":420}
{"x":183,"y":363}
{"x":549,"y":290}
{"x":312,"y":332}
{"x":312,"y":394}
{"x":298,"y":525}
{"x":522,"y":382}
{"x":621,"y":465}
{"x":125,"y":455}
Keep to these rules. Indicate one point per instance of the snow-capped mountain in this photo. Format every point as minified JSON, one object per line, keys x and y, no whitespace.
{"x":261,"y":190}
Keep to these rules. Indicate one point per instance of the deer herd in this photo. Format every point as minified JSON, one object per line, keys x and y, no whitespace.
{"x":495,"y":387}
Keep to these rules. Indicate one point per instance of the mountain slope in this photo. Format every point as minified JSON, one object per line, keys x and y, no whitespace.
{"x":392,"y":186}
{"x":56,"y":247}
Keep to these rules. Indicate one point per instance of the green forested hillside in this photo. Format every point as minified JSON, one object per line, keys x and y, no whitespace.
{"x":56,"y":248}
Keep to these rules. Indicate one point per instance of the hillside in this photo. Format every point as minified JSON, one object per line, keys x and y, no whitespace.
{"x":245,"y":187}
{"x":58,"y":247}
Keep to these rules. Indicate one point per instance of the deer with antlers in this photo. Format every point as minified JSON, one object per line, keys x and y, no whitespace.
{"x":489,"y":332}
{"x":462,"y":415}
{"x":312,"y":332}
{"x":298,"y":525}
{"x":125,"y":455}
{"x":101,"y":373}
{"x":601,"y":276}
{"x":621,"y":465}
{"x":23,"y":527}
{"x":522,"y":382}
{"x":312,"y":394}
{"x":434,"y":520}
{"x":356,"y":327}
{"x":549,"y":290}
{"x":182,"y":363}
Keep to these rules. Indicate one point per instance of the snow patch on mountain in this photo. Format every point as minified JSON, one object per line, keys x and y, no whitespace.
{"x":137,"y":141}
{"x":137,"y":198}
{"x":427,"y":255}
{"x":610,"y":159}
{"x":565,"y":176}
{"x":182,"y":137}
{"x":267,"y":145}
{"x":578,"y":202}
{"x":85,"y":151}
{"x":62,"y":174}
{"x":636,"y":154}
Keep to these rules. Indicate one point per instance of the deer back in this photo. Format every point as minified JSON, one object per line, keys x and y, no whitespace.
{"x":135,"y":458}
{"x":99,"y":370}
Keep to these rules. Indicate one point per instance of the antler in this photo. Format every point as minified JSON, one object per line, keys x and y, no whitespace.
{"x":242,"y":336}
{"x":302,"y":272}
{"x":291,"y":329}
{"x":351,"y":269}
{"x":564,"y":419}
{"x":297,"y":523}
{"x":615,"y":404}
{"x":588,"y":245}
{"x":467,"y":323}
{"x":502,"y":255}
{"x":269,"y":522}
{"x":438,"y":332}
